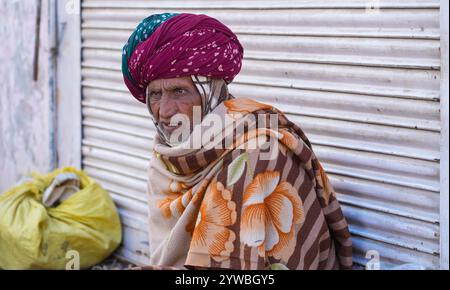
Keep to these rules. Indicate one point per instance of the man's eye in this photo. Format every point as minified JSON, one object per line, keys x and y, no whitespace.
{"x":155,"y":95}
{"x":180,"y":91}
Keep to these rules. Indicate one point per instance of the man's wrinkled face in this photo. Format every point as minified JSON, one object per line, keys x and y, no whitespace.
{"x":169,"y":97}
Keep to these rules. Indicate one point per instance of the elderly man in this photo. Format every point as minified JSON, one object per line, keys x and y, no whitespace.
{"x":249,"y":195}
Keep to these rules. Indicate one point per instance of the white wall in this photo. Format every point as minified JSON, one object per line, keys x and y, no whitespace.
{"x":444,"y":136}
{"x":26,"y":107}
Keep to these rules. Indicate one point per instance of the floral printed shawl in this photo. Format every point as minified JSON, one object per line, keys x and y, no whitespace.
{"x":232,"y":208}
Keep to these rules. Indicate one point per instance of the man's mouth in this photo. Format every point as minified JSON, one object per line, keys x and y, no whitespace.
{"x":168,"y":128}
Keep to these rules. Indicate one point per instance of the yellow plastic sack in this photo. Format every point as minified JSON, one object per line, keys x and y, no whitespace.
{"x":33,"y":236}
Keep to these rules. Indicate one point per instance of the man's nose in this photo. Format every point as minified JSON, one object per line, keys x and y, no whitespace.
{"x":167,"y":108}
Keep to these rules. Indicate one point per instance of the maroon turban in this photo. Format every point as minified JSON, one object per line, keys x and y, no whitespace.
{"x":177,"y":45}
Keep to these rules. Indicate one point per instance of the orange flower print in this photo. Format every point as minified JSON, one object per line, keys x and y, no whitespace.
{"x":175,"y":204}
{"x":288,"y":139}
{"x":244,"y":105}
{"x":211,"y":232}
{"x":271,"y":209}
{"x":176,"y":201}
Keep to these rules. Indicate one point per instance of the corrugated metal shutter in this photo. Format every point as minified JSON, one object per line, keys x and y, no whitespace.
{"x":362,"y":83}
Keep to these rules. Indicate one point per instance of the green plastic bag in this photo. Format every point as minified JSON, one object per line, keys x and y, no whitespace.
{"x":35,"y":236}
